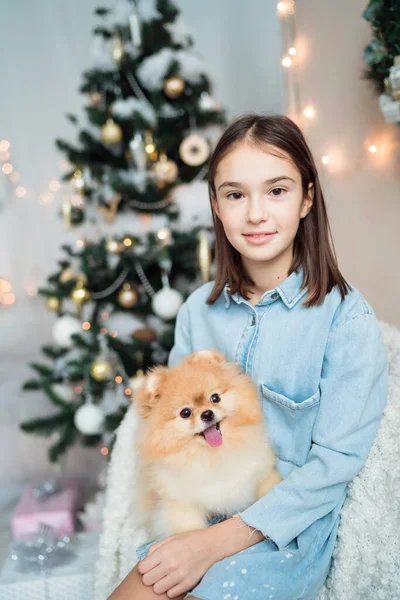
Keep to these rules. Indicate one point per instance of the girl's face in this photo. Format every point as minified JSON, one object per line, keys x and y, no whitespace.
{"x":260,"y":203}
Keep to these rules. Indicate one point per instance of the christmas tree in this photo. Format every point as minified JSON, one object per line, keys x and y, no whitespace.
{"x":382,"y":55}
{"x":136,"y":187}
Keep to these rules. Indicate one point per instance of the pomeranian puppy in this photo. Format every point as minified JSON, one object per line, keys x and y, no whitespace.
{"x":203,"y":446}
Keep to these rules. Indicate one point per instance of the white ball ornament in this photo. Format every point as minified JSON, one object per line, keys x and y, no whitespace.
{"x":63,"y":328}
{"x":89,"y":419}
{"x":166,"y":303}
{"x":65,"y":391}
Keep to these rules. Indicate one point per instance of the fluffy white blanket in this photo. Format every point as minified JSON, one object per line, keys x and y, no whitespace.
{"x":366,"y":558}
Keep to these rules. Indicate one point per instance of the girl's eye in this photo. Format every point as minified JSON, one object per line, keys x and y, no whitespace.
{"x":215,"y":398}
{"x":185,"y":413}
{"x":277,"y":190}
{"x":233,"y":194}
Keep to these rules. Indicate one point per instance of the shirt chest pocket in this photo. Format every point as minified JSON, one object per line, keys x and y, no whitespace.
{"x":290,"y":424}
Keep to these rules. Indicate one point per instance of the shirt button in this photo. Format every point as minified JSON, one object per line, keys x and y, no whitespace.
{"x":253,"y":320}
{"x":274,"y":295}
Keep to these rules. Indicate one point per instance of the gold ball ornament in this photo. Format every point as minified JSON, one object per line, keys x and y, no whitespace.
{"x":53,"y":303}
{"x":173,"y":87}
{"x":111,"y":132}
{"x":79,"y":293}
{"x":165,"y":170}
{"x":101,"y":369}
{"x":128,"y":296}
{"x":194,"y":150}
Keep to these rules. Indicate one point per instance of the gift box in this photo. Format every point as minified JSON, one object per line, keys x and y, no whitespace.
{"x":74,"y":579}
{"x":57,"y":510}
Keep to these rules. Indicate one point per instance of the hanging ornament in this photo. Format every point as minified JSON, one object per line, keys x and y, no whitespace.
{"x":167,"y":301}
{"x":66,"y":275}
{"x":117,"y":50}
{"x":78,"y":182}
{"x":194,"y":150}
{"x":109,"y":212}
{"x":137,"y":148}
{"x":150,"y":147}
{"x":111,"y":132}
{"x":89,"y":419}
{"x":79,"y":293}
{"x":128,"y":296}
{"x":53,"y":303}
{"x":165,"y":170}
{"x":66,"y":211}
{"x":173,"y":87}
{"x":113,"y":246}
{"x":204,"y":256}
{"x":101,"y":369}
{"x":64,"y":328}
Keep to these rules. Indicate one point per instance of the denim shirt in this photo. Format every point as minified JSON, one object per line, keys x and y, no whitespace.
{"x":322,"y":376}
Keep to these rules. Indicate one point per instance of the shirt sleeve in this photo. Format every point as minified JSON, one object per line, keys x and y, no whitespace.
{"x":354,"y":388}
{"x":182,"y":342}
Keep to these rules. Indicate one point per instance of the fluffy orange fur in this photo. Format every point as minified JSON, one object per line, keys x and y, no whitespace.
{"x":184,"y":478}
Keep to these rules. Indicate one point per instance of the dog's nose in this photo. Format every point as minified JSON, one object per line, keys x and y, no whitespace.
{"x":207,"y":416}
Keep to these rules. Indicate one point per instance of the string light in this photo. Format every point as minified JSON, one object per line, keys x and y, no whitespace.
{"x":7,"y":297}
{"x":104,"y":451}
{"x":309,"y":112}
{"x":334,"y":162}
{"x":118,"y":379}
{"x":86,"y":325}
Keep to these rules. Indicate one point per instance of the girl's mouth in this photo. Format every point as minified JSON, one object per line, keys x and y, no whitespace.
{"x":258,"y":238}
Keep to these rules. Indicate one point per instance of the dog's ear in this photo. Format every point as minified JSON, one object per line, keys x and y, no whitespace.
{"x":211,"y":356}
{"x":148,"y":394}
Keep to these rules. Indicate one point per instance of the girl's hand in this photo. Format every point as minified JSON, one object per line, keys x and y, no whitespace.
{"x":177,"y":563}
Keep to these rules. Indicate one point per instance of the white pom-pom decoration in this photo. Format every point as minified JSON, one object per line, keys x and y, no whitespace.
{"x":166,"y":303}
{"x":63,"y":328}
{"x":89,"y":419}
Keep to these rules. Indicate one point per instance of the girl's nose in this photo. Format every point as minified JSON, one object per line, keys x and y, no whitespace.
{"x":256,"y":210}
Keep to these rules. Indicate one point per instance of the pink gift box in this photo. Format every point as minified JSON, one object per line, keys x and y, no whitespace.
{"x":57,"y":510}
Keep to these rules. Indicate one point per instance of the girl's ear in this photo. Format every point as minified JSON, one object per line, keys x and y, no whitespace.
{"x":214,"y":203}
{"x":307,"y":201}
{"x":149,"y":393}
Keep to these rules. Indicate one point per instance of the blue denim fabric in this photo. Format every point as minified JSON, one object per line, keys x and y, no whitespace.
{"x":322,"y":375}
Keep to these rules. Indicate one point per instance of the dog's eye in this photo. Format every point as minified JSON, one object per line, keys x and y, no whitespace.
{"x":185,"y":413}
{"x":215,"y":398}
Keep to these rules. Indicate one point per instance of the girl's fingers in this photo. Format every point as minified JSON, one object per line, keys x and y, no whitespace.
{"x":170,"y":581}
{"x":154,"y":575}
{"x":148,"y":563}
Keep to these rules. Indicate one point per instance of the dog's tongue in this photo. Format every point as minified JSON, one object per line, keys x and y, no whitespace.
{"x":213,"y":436}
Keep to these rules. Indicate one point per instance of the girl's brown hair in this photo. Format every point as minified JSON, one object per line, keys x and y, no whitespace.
{"x":313,"y":247}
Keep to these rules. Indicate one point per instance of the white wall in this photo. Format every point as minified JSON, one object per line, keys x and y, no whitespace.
{"x":364,"y":198}
{"x":45,"y":47}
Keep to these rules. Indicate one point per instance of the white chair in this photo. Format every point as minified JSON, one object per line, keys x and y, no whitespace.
{"x":366,"y":558}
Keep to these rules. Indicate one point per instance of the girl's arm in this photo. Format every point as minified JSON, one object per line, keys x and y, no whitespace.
{"x":354,"y":389}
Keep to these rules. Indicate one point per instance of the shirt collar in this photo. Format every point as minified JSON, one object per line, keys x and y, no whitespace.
{"x":289,"y":291}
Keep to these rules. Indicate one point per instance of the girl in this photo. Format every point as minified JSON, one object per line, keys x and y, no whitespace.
{"x":281,"y":308}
